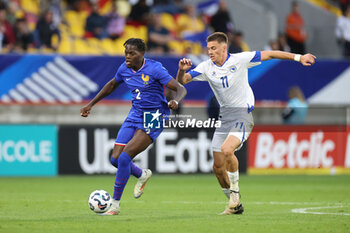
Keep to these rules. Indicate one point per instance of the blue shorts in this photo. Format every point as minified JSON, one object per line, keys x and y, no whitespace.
{"x":128,"y":129}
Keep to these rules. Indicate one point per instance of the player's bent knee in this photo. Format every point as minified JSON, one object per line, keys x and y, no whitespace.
{"x":132,"y":149}
{"x":227,"y":151}
{"x":117,"y":150}
{"x":124,"y":160}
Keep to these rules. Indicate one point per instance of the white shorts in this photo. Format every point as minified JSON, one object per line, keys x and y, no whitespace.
{"x":238,"y":123}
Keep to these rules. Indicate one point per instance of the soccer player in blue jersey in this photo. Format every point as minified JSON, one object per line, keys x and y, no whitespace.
{"x":146,"y":79}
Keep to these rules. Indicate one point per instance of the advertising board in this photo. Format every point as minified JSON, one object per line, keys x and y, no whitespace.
{"x":28,"y":150}
{"x":87,"y":150}
{"x":299,"y":149}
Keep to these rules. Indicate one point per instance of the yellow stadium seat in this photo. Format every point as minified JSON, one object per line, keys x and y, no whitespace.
{"x":46,"y":51}
{"x":19,"y":14}
{"x":118,"y":46}
{"x":54,"y":40}
{"x":143,"y":33}
{"x":177,"y":47}
{"x":130,"y":31}
{"x":32,"y":26}
{"x":76,"y":21}
{"x":93,"y":41}
{"x":108,"y":46}
{"x":106,"y":8}
{"x":65,"y":46}
{"x":196,"y":48}
{"x":80,"y":47}
{"x":64,"y":31}
{"x":181,"y":22}
{"x":188,"y":24}
{"x":31,"y":6}
{"x":168,"y":21}
{"x":94,"y":45}
{"x":135,"y":32}
{"x":32,"y":50}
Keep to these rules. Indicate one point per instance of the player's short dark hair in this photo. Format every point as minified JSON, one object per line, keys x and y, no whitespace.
{"x":137,"y":42}
{"x":219,"y":37}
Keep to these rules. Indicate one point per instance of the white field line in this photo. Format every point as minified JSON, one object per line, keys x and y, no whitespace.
{"x":307,"y":210}
{"x":246,"y":202}
{"x":298,"y":210}
{"x":256,"y":203}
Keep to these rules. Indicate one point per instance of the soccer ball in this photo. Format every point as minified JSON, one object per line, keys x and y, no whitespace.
{"x":100,"y":201}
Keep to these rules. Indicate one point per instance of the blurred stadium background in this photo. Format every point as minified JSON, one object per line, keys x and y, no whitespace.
{"x":43,"y":84}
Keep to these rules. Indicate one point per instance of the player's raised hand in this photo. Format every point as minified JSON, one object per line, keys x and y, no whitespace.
{"x":185,"y":64}
{"x":172,"y":104}
{"x":85,"y":111}
{"x":307,"y":59}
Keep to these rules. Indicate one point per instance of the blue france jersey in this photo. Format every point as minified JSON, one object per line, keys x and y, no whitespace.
{"x":147,"y":87}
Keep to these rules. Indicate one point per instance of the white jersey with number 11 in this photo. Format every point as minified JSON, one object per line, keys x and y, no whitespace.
{"x":229,"y":82}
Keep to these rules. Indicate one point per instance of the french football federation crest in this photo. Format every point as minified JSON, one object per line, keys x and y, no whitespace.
{"x":145,"y":79}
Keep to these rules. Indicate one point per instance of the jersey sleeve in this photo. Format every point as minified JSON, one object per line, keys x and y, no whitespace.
{"x":250,"y":59}
{"x":198,"y":73}
{"x":118,"y":77}
{"x":162,"y":74}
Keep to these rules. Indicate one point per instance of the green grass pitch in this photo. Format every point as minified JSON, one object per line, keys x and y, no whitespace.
{"x":177,"y":203}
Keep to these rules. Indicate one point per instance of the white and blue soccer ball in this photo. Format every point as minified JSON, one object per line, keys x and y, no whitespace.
{"x":100,"y":201}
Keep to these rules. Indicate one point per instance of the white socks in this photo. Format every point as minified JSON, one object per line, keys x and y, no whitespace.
{"x":143,"y":174}
{"x":226,"y":192}
{"x":233,"y":177}
{"x":115,"y":203}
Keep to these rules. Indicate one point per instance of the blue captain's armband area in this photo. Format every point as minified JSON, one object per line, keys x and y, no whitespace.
{"x":194,"y":73}
{"x":257,"y":57}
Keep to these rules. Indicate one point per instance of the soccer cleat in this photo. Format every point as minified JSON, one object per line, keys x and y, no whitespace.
{"x":235,"y":199}
{"x":113,"y":210}
{"x":140,"y":185}
{"x":234,"y":205}
{"x":237,"y":210}
{"x":110,"y":212}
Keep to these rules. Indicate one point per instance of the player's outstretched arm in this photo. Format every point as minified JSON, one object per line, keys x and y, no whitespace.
{"x":306,"y":59}
{"x":105,"y":91}
{"x":180,"y":93}
{"x":184,"y":65}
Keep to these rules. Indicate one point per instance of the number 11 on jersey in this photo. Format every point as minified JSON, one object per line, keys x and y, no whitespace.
{"x":224,"y":81}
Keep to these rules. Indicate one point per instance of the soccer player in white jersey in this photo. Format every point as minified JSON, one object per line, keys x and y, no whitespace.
{"x":227,"y":75}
